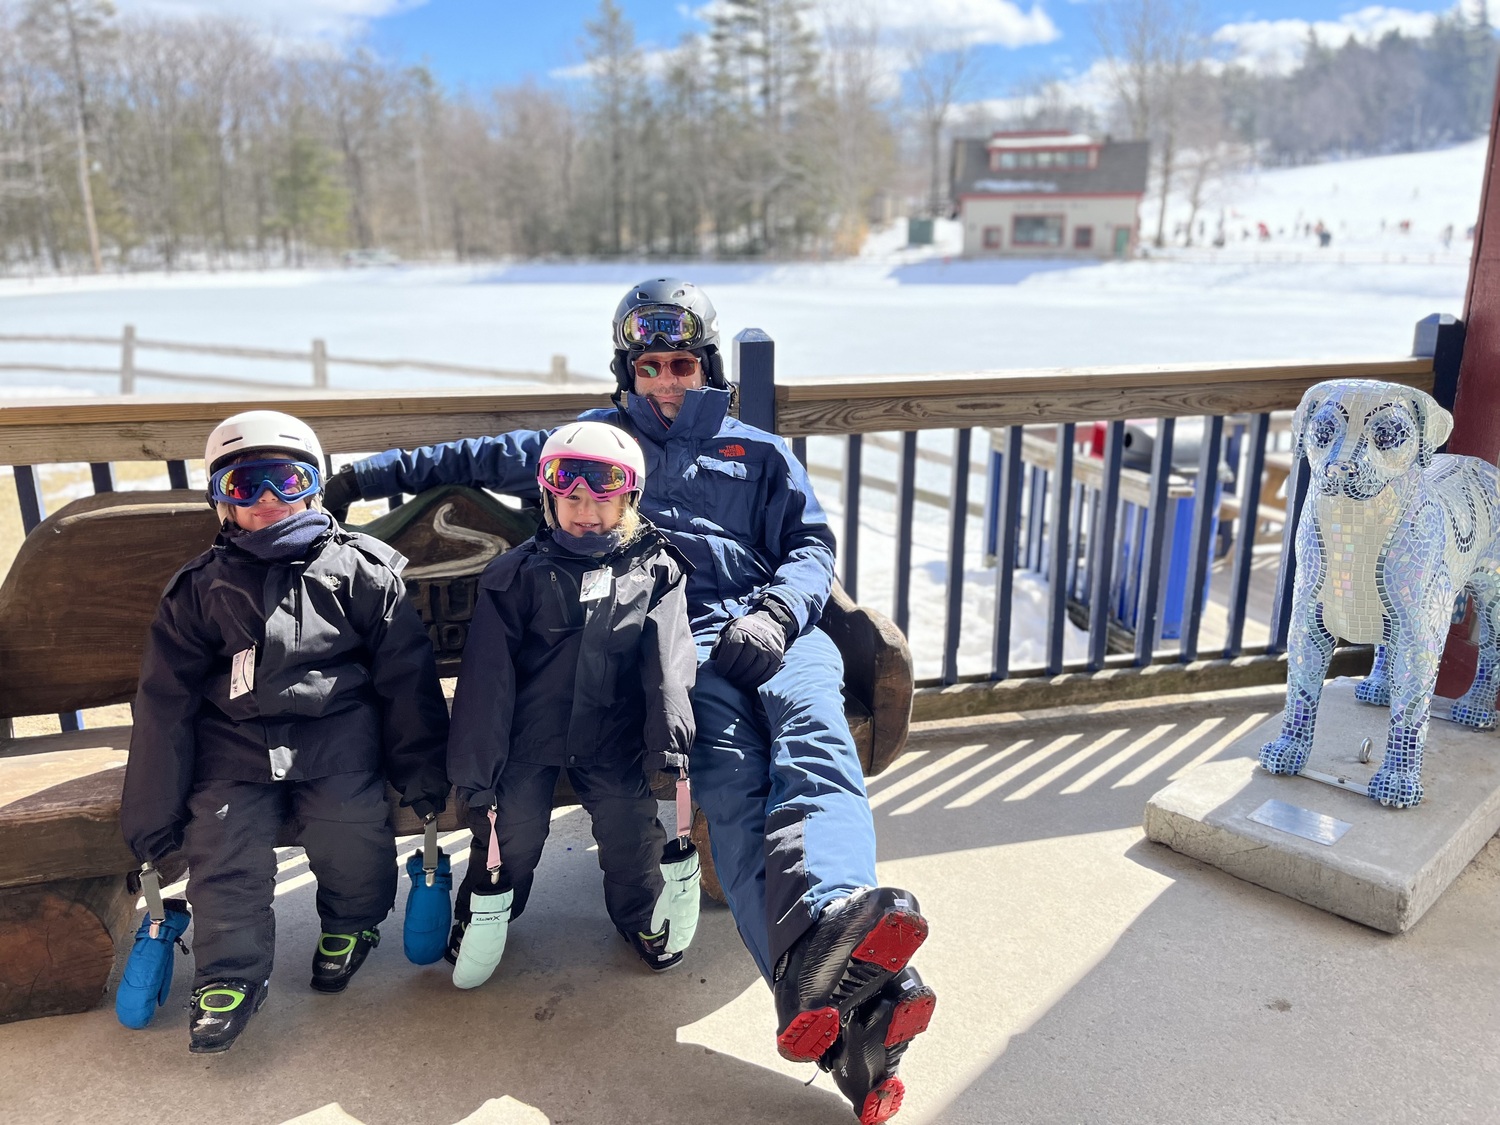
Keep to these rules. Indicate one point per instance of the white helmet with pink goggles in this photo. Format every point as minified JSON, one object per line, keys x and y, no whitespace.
{"x":602,"y":459}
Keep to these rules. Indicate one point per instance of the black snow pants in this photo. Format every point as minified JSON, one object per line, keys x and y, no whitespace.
{"x":341,"y":821}
{"x":626,"y":828}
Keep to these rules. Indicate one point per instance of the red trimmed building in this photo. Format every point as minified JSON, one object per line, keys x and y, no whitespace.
{"x":1048,"y":194}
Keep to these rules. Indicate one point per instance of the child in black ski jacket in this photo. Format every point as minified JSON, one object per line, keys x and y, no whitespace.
{"x":580,"y":658}
{"x":285,"y":678}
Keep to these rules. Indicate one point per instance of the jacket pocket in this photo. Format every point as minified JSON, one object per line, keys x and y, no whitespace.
{"x":729,"y":495}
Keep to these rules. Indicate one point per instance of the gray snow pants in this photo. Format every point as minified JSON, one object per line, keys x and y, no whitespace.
{"x":341,"y":821}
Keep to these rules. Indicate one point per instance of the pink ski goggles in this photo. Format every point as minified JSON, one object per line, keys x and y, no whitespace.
{"x":562,"y":476}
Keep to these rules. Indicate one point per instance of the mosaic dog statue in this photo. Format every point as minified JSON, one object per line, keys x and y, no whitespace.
{"x":1391,"y":536}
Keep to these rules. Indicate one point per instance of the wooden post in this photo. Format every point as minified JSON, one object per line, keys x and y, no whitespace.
{"x":127,"y":361}
{"x":559,"y":373}
{"x":1476,"y":401}
{"x":320,"y":364}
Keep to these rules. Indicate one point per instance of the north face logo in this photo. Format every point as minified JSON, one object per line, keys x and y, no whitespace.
{"x":732,"y":451}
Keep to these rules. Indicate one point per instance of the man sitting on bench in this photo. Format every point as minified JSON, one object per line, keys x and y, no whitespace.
{"x":774,"y":766}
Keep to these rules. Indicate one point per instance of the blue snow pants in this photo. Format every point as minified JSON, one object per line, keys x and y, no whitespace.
{"x":779,"y":780}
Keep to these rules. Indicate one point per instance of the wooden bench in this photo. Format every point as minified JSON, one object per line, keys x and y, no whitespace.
{"x":74,"y":611}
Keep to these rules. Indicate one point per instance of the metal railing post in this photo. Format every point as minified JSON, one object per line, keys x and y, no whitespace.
{"x":1440,"y":337}
{"x":755,"y":375}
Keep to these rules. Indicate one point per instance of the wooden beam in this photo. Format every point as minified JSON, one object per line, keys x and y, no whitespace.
{"x":834,"y":406}
{"x":154,"y":428}
{"x":1038,"y":691}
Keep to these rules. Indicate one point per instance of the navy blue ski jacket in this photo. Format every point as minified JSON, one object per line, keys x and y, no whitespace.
{"x":729,"y":496}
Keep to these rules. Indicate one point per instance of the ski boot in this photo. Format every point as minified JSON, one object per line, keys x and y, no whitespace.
{"x":864,"y":1059}
{"x":220,"y":1011}
{"x":851,"y":950}
{"x":455,"y":942}
{"x":653,"y":950}
{"x":339,"y":956}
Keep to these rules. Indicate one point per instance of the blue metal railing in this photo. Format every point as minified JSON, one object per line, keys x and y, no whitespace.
{"x":1141,"y":570}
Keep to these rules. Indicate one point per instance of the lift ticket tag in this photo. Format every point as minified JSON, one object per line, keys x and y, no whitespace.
{"x":595,"y":585}
{"x":242,"y":674}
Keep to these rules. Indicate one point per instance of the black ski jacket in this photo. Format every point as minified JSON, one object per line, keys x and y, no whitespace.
{"x":548,"y":679}
{"x":344,"y":681}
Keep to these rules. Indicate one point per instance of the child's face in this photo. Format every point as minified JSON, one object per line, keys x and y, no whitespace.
{"x":580,"y":513}
{"x":268,"y":508}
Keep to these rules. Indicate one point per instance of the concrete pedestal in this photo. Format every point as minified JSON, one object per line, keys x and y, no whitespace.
{"x":1385,"y":866}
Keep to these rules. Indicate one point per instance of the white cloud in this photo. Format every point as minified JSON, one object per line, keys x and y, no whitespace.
{"x":294,"y":19}
{"x":1277,"y":46}
{"x":947,"y":23}
{"x":956,"y":23}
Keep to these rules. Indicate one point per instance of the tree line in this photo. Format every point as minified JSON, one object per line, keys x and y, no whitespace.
{"x":1205,"y":119}
{"x":170,"y":141}
{"x":148,"y":141}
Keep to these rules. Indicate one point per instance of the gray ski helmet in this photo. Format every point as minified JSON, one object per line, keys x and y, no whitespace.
{"x":685,"y":321}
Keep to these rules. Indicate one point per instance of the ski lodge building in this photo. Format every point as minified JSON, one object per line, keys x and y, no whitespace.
{"x":1048,"y":194}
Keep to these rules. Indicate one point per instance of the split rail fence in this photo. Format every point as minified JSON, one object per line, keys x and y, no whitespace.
{"x":316,"y":362}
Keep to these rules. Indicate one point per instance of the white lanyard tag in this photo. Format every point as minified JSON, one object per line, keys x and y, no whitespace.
{"x":242,"y":674}
{"x":595,"y":585}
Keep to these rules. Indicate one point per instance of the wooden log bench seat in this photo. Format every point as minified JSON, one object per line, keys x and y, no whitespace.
{"x":74,"y":611}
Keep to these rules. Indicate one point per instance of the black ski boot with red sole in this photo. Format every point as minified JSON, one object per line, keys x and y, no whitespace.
{"x":853,"y":948}
{"x":864,"y":1059}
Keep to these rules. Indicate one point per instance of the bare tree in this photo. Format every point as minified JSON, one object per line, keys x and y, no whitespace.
{"x":617,"y":87}
{"x":1149,"y":49}
{"x":938,"y":78}
{"x":64,"y":30}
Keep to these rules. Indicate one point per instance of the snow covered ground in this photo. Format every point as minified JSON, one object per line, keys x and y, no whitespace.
{"x":892,"y":311}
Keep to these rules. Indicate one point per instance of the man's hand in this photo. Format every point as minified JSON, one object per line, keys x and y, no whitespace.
{"x":750,"y":649}
{"x":339,"y":491}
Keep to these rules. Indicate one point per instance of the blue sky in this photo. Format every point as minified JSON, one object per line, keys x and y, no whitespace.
{"x":483,"y":43}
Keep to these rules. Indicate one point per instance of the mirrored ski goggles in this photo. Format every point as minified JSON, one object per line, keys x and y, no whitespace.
{"x":660,"y":324}
{"x":561,"y":476}
{"x":242,"y":484}
{"x":679,"y":367}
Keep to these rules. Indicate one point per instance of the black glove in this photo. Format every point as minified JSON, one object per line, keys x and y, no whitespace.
{"x":426,"y":807}
{"x":339,"y":491}
{"x":749,"y":649}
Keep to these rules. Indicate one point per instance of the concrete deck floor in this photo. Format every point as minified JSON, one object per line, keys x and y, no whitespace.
{"x":1084,"y":975}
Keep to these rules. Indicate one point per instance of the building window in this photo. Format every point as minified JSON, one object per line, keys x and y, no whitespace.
{"x":1007,"y":160}
{"x":1083,"y":238}
{"x":993,"y":238}
{"x":1036,"y":230}
{"x":1081,"y":158}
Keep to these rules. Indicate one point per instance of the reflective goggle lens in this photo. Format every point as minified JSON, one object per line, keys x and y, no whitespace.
{"x":663,"y":323}
{"x":602,"y":479}
{"x":679,"y":367}
{"x":242,"y":484}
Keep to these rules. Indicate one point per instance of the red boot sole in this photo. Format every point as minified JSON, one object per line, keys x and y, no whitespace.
{"x":892,"y":941}
{"x":809,"y":1035}
{"x":883,"y":1102}
{"x":911,"y":1018}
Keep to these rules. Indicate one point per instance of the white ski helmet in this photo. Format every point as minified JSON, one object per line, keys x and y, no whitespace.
{"x":591,"y":441}
{"x":262,"y":429}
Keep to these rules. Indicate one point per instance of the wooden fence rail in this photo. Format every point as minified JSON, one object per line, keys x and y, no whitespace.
{"x":317,"y":360}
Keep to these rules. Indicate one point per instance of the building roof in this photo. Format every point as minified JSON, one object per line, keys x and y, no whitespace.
{"x":1045,"y":139}
{"x":1121,"y":168}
